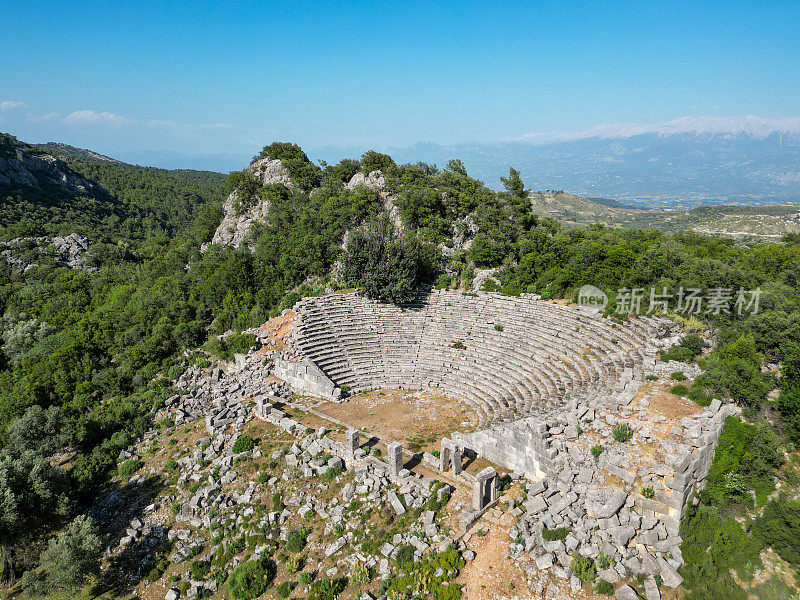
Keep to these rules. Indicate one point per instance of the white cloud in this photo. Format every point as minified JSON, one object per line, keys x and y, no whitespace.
{"x":7,"y":105}
{"x":91,"y":117}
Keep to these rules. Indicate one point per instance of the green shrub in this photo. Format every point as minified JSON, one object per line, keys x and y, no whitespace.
{"x":779,"y":528}
{"x":244,"y":443}
{"x":734,"y":371}
{"x":156,"y":566}
{"x":285,"y":589}
{"x":195,"y":550}
{"x":679,"y":390}
{"x":199,"y":569}
{"x":296,"y":541}
{"x":326,"y":589}
{"x":583,"y":567}
{"x":713,"y":545}
{"x":294,"y":564}
{"x":68,"y":561}
{"x":250,"y":579}
{"x":498,"y":327}
{"x":550,"y":535}
{"x":699,"y":395}
{"x":303,"y":172}
{"x":360,"y":575}
{"x":604,"y":562}
{"x":678,"y":376}
{"x":377,"y":161}
{"x":647,"y":378}
{"x":686,"y":350}
{"x":306,"y":577}
{"x":746,"y":458}
{"x":332,"y":473}
{"x":420,"y":577}
{"x":459,"y":346}
{"x":775,"y":588}
{"x":405,"y":555}
{"x":648,"y":492}
{"x":622,"y":432}
{"x":235,"y":343}
{"x":128,"y":468}
{"x":597,"y":450}
{"x":386,"y":265}
{"x":604,"y":587}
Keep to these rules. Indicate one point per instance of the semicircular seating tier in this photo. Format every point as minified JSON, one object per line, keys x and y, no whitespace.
{"x":507,"y":357}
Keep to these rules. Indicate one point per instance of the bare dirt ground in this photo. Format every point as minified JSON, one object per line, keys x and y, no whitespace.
{"x":278,"y":329}
{"x":492,"y":575}
{"x":420,"y":419}
{"x":667,"y":404}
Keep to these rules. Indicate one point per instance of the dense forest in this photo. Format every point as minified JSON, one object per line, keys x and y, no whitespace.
{"x":87,"y":357}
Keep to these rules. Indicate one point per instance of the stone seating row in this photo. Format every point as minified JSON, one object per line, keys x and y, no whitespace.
{"x":519,"y":353}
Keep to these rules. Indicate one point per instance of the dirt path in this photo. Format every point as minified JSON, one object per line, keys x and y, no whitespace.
{"x":492,"y":575}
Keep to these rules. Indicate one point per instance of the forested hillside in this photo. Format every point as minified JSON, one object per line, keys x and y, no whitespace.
{"x":87,"y":357}
{"x":74,"y":190}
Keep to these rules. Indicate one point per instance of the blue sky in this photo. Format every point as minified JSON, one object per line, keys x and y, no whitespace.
{"x":229,"y":77}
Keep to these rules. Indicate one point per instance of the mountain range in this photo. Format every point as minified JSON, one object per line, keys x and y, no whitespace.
{"x":688,"y":162}
{"x":679,"y":170}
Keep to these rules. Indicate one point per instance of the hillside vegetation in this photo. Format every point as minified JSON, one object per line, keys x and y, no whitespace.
{"x":88,"y":357}
{"x":80,"y":191}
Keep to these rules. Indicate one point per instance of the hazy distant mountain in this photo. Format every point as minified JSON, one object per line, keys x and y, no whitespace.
{"x":687,"y":162}
{"x":165,"y":159}
{"x":684,"y":169}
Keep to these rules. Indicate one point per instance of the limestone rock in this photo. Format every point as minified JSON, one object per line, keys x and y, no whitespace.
{"x":239,"y":213}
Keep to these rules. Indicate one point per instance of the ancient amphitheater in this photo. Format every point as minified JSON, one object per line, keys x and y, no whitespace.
{"x":507,"y":357}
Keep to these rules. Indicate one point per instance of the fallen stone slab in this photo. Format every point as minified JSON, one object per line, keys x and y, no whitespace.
{"x":613,"y":505}
{"x":668,"y":574}
{"x":651,"y":590}
{"x":396,"y":504}
{"x":544,"y":562}
{"x":334,"y":547}
{"x":626,"y":592}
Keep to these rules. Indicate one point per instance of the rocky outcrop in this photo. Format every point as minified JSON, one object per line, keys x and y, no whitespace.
{"x":240,"y":213}
{"x":37,"y":170}
{"x":67,"y":250}
{"x":376,"y":181}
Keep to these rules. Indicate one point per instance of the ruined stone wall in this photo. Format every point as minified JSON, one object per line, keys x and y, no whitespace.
{"x":522,"y":447}
{"x":538,"y":450}
{"x":306,"y":378}
{"x":626,"y":503}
